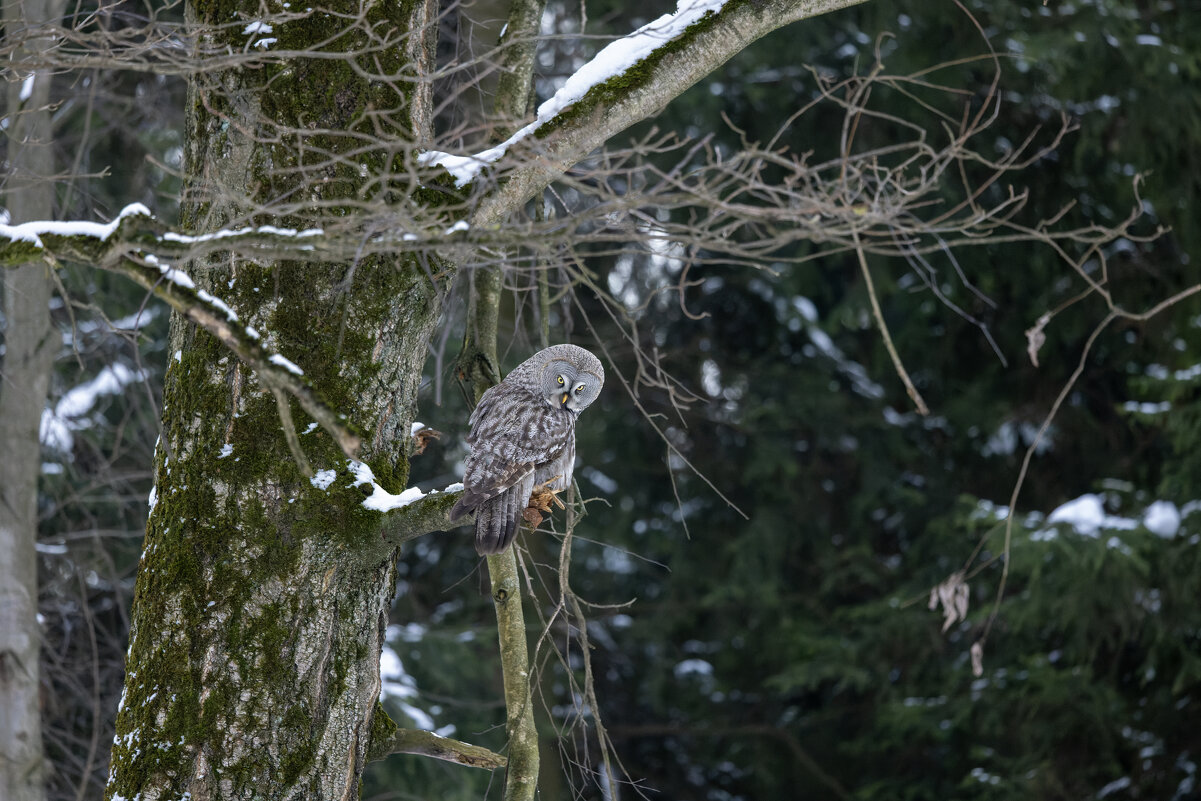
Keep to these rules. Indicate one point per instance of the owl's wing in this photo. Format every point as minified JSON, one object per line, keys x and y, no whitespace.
{"x":506,"y":448}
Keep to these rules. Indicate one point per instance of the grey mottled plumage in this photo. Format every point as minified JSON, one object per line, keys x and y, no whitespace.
{"x":522,"y":435}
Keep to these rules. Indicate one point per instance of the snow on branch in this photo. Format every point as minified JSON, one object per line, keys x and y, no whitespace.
{"x":213,"y":315}
{"x":410,"y":514}
{"x":136,"y":230}
{"x":614,"y":59}
{"x":96,"y":244}
{"x":406,"y":516}
{"x":629,"y":81}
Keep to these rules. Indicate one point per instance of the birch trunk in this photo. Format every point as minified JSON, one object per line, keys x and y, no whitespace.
{"x":29,"y":350}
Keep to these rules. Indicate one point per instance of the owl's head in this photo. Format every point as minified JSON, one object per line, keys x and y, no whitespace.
{"x":570,"y":377}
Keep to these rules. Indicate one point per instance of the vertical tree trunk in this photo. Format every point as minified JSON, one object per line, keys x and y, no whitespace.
{"x":262,"y":599}
{"x":30,"y":346}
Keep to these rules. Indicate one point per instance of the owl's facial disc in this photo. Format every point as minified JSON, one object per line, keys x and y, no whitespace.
{"x":560,"y":391}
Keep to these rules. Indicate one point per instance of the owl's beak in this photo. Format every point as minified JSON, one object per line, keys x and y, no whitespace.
{"x":563,"y":401}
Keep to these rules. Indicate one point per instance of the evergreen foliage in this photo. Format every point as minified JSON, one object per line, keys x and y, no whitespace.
{"x":792,"y":653}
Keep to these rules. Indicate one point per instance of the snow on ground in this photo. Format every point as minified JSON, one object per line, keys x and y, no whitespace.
{"x":613,"y":59}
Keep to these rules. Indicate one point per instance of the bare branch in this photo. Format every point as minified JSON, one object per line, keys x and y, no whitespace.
{"x":426,"y":743}
{"x":914,"y":395}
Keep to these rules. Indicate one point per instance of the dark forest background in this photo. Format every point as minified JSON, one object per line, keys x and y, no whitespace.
{"x":789,"y":653}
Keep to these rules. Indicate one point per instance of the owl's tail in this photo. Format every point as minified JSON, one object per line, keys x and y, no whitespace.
{"x":496,"y":522}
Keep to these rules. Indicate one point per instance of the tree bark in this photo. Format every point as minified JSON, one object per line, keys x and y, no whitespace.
{"x":30,"y":346}
{"x":262,"y":598}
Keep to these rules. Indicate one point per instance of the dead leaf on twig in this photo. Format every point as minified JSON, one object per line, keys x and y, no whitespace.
{"x":1035,"y":338}
{"x":977,"y":652}
{"x":953,"y":594}
{"x":422,"y":437}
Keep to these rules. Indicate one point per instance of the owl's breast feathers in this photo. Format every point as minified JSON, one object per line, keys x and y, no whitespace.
{"x":506,"y":448}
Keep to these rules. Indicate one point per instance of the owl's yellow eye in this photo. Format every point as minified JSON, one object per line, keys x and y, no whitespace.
{"x":579,"y":389}
{"x":560,"y":380}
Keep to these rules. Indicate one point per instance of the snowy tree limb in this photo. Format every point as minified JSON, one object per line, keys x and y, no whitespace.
{"x":430,"y":513}
{"x":115,"y":247}
{"x":637,"y":93}
{"x":276,"y":372}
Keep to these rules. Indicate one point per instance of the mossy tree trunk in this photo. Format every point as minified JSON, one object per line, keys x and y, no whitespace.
{"x":262,"y":599}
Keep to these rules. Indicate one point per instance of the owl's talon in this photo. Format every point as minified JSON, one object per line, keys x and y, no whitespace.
{"x":543,"y":496}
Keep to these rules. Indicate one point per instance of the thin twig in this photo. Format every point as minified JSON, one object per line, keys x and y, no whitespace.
{"x":914,"y":395}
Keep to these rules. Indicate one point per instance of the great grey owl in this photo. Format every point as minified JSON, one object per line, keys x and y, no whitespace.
{"x":522,"y":436}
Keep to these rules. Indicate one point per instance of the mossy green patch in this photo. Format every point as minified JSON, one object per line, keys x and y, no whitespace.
{"x":382,"y":730}
{"x":19,"y":251}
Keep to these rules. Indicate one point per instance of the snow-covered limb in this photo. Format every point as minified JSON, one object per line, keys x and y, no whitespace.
{"x":214,"y":316}
{"x":613,"y":60}
{"x":407,"y":516}
{"x":629,"y":81}
{"x":117,"y":247}
{"x":136,"y":230}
